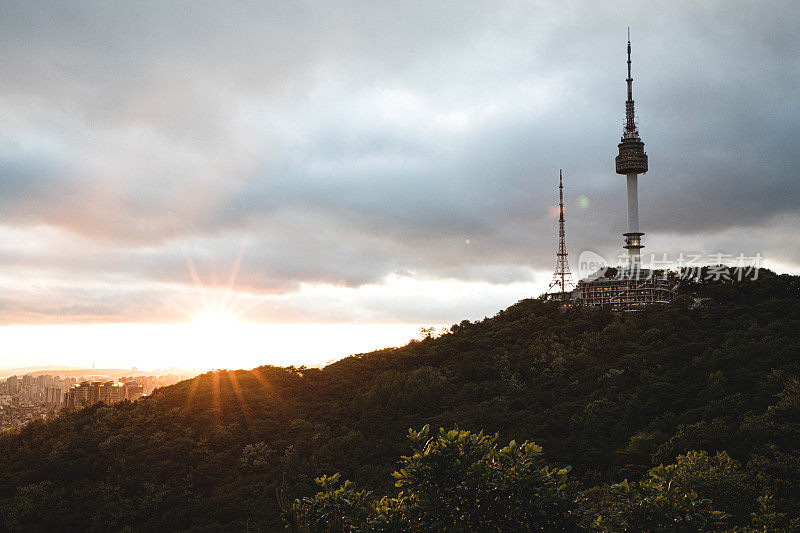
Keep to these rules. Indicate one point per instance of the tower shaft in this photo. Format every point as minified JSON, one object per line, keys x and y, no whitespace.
{"x":633,"y":203}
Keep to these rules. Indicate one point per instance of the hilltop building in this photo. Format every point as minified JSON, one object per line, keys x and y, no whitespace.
{"x":624,"y":289}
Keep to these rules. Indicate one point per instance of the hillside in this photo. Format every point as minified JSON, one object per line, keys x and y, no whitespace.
{"x":609,"y":395}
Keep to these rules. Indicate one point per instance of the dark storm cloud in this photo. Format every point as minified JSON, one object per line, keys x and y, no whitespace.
{"x":343,"y":142}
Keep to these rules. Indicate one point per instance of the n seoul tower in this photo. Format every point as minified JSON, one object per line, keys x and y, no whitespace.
{"x":632,"y":161}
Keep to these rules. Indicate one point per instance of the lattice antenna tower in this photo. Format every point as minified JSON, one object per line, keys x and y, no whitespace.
{"x":562,"y":276}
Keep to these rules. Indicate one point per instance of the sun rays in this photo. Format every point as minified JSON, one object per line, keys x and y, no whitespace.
{"x":215,"y":302}
{"x":216,"y":336}
{"x":214,"y":391}
{"x":237,"y":391}
{"x":216,"y":398}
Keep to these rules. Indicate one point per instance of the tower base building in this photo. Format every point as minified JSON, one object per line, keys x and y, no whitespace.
{"x":625,"y":289}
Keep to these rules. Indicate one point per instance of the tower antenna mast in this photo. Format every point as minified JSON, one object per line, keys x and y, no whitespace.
{"x":562,"y":276}
{"x":630,"y":119}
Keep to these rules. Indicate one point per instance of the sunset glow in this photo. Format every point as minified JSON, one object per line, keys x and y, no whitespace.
{"x":213,"y":342}
{"x":205,"y":327}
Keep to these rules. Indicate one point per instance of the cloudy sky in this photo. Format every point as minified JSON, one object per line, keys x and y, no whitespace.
{"x":375,"y":162}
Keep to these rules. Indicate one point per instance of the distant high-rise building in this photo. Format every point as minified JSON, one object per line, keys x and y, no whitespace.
{"x":54,"y":396}
{"x":43,"y":381}
{"x":87,"y":393}
{"x":111,"y":392}
{"x":91,"y":392}
{"x":13,"y":385}
{"x":134,"y":391}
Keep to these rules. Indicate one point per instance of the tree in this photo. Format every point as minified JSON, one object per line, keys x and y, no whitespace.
{"x":453,"y":481}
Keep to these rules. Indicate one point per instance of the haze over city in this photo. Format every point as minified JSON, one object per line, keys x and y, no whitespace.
{"x":225,"y":186}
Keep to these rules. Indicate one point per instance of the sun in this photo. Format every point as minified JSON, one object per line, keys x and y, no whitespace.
{"x":214,"y":335}
{"x":215,"y":320}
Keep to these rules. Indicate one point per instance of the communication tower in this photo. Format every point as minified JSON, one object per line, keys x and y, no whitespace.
{"x":562,"y":276}
{"x":632,"y":161}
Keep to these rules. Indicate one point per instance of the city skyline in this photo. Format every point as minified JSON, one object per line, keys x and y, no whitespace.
{"x":227,"y":185}
{"x":25,"y":397}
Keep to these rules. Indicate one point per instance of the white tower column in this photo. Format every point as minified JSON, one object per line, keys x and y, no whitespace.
{"x":633,"y":203}
{"x":633,"y":239}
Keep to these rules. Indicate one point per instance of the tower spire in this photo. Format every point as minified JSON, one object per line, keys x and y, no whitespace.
{"x":562,"y":276}
{"x":630,"y":118}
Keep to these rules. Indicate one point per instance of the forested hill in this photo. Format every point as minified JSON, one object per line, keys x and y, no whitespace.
{"x":610,"y":395}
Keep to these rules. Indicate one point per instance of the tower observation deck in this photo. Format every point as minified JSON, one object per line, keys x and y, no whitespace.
{"x":632,"y":161}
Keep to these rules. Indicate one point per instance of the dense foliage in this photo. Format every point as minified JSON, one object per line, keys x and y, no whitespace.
{"x":458,"y":481}
{"x":612,"y":396}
